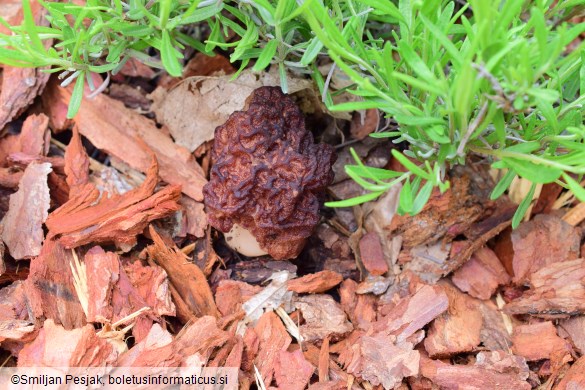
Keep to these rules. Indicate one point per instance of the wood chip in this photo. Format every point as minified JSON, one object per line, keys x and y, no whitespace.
{"x":364,"y":122}
{"x":16,"y":322}
{"x":20,"y":86}
{"x":481,"y":275}
{"x":292,"y":371}
{"x":556,"y":290}
{"x":186,"y":277}
{"x":29,"y":206}
{"x":35,"y":135}
{"x":449,"y":213}
{"x":380,"y":361}
{"x":58,"y":347}
{"x":152,"y":284}
{"x":231,"y":294}
{"x":458,"y":329}
{"x":429,"y":262}
{"x":361,"y":309}
{"x":540,"y":341}
{"x":323,"y":317}
{"x":123,"y":132}
{"x":494,"y":334}
{"x":103,"y":271}
{"x":316,"y":283}
{"x":273,"y":338}
{"x":50,"y":289}
{"x":323,"y":368}
{"x":195,"y":216}
{"x":544,"y":240}
{"x":575,"y":328}
{"x":372,"y":254}
{"x":89,"y":218}
{"x":413,"y":312}
{"x":574,"y":378}
{"x":197,"y":340}
{"x":492,"y":370}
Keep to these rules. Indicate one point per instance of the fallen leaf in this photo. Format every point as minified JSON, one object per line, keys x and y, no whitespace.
{"x":196,"y":106}
{"x":271,"y":297}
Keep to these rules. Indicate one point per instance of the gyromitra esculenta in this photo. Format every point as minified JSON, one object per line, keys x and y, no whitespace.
{"x":268,"y":174}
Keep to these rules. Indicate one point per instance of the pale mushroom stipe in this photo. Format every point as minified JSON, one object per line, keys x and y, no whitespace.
{"x":268,"y":176}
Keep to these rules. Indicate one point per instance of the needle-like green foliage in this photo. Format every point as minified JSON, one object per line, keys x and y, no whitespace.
{"x":491,"y":78}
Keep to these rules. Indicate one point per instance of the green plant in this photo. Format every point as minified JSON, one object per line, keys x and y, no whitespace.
{"x":486,"y":78}
{"x":492,"y":78}
{"x":102,"y":35}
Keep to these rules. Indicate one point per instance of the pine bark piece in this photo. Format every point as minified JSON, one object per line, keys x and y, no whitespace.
{"x":492,"y":370}
{"x":323,"y":367}
{"x":556,"y":290}
{"x":316,"y":283}
{"x":35,"y":135}
{"x":429,"y":262}
{"x":50,"y":288}
{"x":199,"y":339}
{"x":458,"y":329}
{"x":539,"y":341}
{"x":273,"y":338}
{"x":231,"y":294}
{"x":372,"y":254}
{"x":360,"y":308}
{"x":87,"y":218}
{"x":413,"y":312}
{"x":574,"y":378}
{"x":156,"y":338}
{"x":103,"y":271}
{"x":20,"y":86}
{"x":76,"y":165}
{"x":152,"y":284}
{"x":323,"y":317}
{"x":186,"y":277}
{"x":292,"y":371}
{"x":28,"y":209}
{"x":494,"y":334}
{"x":575,"y":328}
{"x":378,"y":360}
{"x":120,"y":133}
{"x":544,"y":240}
{"x":58,"y":347}
{"x":194,"y":213}
{"x":481,"y":275}
{"x":16,"y":322}
{"x":449,"y":213}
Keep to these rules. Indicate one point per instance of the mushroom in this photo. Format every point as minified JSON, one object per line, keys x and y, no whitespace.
{"x":268,"y":176}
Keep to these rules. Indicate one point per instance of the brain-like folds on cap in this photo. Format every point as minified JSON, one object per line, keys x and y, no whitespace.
{"x":268,"y":174}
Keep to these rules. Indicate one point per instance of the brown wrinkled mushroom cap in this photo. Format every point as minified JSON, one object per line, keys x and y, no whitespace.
{"x":268,"y":174}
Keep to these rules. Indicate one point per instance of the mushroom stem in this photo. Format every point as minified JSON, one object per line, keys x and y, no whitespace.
{"x":242,"y":241}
